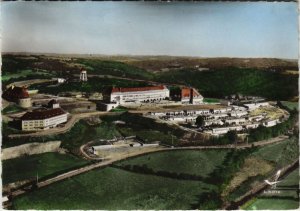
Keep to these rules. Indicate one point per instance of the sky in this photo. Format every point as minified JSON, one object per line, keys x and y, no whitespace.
{"x":202,"y":29}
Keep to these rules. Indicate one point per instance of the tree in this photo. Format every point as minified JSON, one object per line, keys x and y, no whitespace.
{"x":200,"y":121}
{"x":232,"y":136}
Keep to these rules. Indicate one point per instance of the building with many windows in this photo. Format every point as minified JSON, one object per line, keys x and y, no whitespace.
{"x":139,"y":94}
{"x":187,"y":95}
{"x":43,"y":119}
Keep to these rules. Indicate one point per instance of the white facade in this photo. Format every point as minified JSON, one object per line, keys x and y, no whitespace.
{"x":224,"y":130}
{"x":271,"y":123}
{"x":25,"y":102}
{"x":43,"y":124}
{"x":83,"y":75}
{"x":252,"y":126}
{"x":139,"y":96}
{"x":61,"y":80}
{"x":252,"y":106}
{"x":235,"y":121}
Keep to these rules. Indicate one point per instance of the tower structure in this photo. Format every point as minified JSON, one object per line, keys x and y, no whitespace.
{"x":83,"y":75}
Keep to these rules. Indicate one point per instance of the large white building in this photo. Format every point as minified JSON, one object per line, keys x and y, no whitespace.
{"x":139,"y":94}
{"x":43,"y":119}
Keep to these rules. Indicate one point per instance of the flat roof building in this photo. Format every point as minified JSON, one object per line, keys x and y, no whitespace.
{"x":43,"y":119}
{"x":139,"y":94}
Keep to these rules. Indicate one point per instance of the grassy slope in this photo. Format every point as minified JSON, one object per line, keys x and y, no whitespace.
{"x":114,"y":189}
{"x":80,"y":133}
{"x":280,"y":203}
{"x":279,"y":155}
{"x":12,"y":109}
{"x":146,"y":128}
{"x":187,"y":161}
{"x":45,"y":164}
{"x":291,"y":105}
{"x":96,"y":66}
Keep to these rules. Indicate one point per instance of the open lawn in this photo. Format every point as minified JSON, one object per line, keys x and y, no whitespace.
{"x":274,"y":204}
{"x":111,"y":188}
{"x":45,"y":164}
{"x":211,"y":100}
{"x":198,"y":162}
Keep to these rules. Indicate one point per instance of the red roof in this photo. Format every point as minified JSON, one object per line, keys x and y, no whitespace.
{"x":138,"y":89}
{"x":42,"y":114}
{"x":14,"y":93}
{"x":186,"y":92}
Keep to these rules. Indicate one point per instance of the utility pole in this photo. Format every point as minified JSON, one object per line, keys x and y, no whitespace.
{"x":37,"y":177}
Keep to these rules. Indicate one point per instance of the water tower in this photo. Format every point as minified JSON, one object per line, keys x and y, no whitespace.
{"x":83,"y":75}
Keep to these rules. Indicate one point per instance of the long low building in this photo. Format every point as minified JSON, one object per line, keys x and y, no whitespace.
{"x":43,"y":119}
{"x":139,"y":94}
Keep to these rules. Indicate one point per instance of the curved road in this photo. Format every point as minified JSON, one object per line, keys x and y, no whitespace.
{"x":58,"y":130}
{"x":108,"y":162}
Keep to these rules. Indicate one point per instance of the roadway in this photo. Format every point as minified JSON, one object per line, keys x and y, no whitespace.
{"x":58,"y":130}
{"x":105,"y":163}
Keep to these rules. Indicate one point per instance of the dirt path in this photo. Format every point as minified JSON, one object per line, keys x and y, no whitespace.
{"x":30,"y":82}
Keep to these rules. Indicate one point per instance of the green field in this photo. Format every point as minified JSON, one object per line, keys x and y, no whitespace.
{"x":45,"y":164}
{"x":291,"y":105}
{"x":281,"y":153}
{"x":286,"y":199}
{"x":23,"y":73}
{"x":198,"y":162}
{"x":111,"y":188}
{"x":12,"y":109}
{"x":211,"y":100}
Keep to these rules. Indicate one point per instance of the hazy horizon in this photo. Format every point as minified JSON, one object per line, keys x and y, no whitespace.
{"x":176,"y":29}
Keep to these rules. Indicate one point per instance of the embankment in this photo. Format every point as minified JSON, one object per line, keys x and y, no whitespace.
{"x":29,"y":149}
